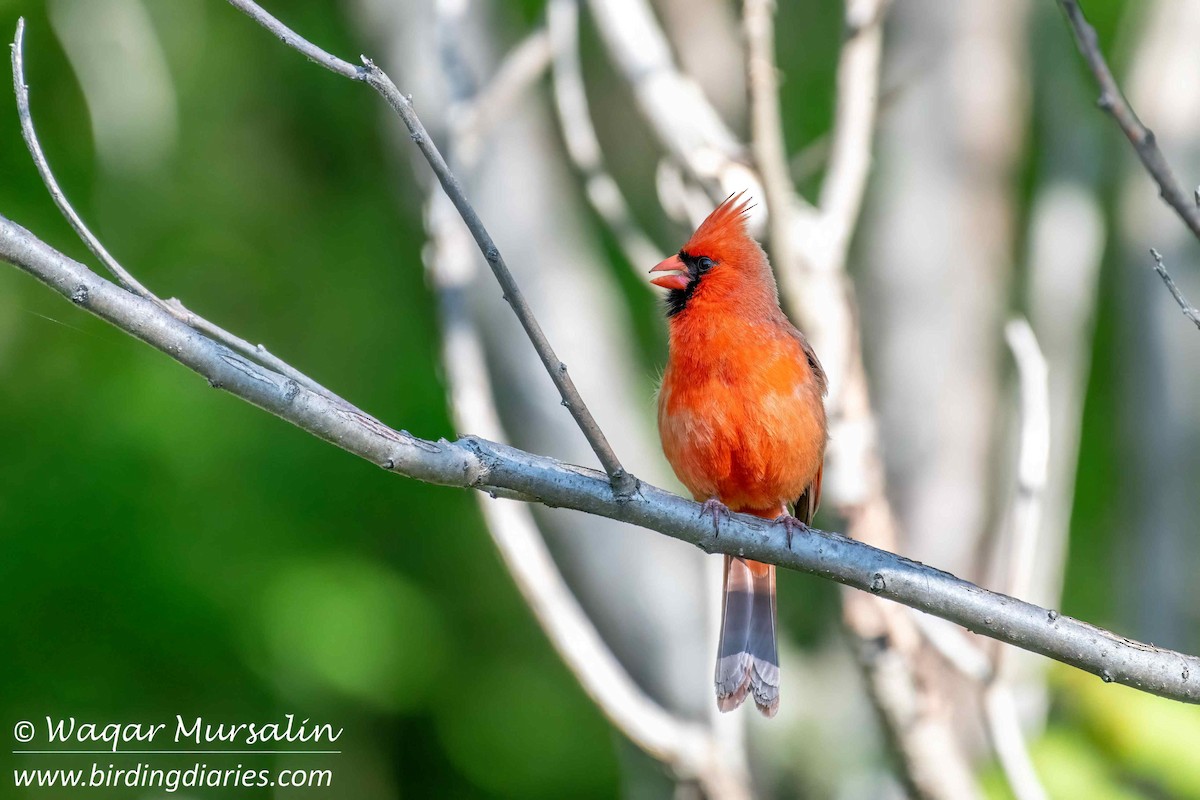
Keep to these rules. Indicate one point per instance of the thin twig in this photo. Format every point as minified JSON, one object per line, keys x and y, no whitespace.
{"x":623,"y":483}
{"x":1141,"y":137}
{"x":123,"y":276}
{"x":1189,"y":311}
{"x":489,"y":467}
{"x":766,"y":127}
{"x":21,"y":89}
{"x":583,"y":147}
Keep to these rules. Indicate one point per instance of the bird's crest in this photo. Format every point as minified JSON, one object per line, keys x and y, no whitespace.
{"x":725,"y":226}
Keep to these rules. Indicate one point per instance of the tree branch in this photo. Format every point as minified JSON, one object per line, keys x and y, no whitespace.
{"x":521,"y":68}
{"x":853,"y":132}
{"x":377,"y":79}
{"x":1141,"y":137}
{"x":479,"y":464}
{"x":674,"y":105}
{"x":579,"y":135}
{"x":1189,"y":311}
{"x":766,"y":126}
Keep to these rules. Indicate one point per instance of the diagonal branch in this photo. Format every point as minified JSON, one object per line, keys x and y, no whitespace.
{"x":623,"y":483}
{"x":1189,"y":310}
{"x":1141,"y":137}
{"x":479,"y":464}
{"x":523,"y":66}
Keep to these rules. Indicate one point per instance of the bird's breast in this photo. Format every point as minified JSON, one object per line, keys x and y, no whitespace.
{"x":746,"y":426}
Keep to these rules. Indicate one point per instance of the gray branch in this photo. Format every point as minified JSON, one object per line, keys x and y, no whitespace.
{"x":1141,"y":137}
{"x":1189,"y":310}
{"x":378,"y":80}
{"x":479,"y":464}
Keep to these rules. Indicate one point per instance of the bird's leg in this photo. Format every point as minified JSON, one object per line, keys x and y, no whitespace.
{"x":712,"y":507}
{"x":790,"y":526}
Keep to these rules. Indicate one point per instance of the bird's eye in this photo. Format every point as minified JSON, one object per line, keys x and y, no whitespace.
{"x":704,"y":263}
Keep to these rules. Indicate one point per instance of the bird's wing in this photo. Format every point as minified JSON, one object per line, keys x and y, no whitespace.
{"x":806,"y":506}
{"x":813,"y":362}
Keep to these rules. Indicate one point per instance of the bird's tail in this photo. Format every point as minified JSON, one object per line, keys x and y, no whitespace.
{"x":747,"y":657}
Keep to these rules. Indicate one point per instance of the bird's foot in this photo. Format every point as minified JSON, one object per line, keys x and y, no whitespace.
{"x":790,"y":526}
{"x":712,"y":507}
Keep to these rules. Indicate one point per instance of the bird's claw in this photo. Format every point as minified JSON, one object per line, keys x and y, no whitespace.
{"x":790,"y":526}
{"x":712,"y":507}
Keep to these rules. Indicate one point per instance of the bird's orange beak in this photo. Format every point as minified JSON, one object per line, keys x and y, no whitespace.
{"x":677,"y":277}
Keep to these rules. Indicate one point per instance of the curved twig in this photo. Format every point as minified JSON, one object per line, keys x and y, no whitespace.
{"x":173,"y":307}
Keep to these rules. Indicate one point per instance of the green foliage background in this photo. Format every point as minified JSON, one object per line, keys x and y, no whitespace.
{"x":166,"y":549}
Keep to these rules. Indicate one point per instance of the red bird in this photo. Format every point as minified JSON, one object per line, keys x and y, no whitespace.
{"x":741,"y":415}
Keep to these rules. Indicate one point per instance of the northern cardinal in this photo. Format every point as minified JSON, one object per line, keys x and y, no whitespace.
{"x":741,"y":415}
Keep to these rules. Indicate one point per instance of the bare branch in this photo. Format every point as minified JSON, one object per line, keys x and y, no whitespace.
{"x":954,"y":647}
{"x":479,"y":464}
{"x":854,"y":126}
{"x":571,"y":104}
{"x":1189,"y":311}
{"x":766,"y":126}
{"x":674,"y":105}
{"x":1141,"y":137}
{"x":623,"y":483}
{"x":21,"y":89}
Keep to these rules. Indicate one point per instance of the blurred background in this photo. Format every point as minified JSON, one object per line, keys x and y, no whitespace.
{"x":168,"y":549}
